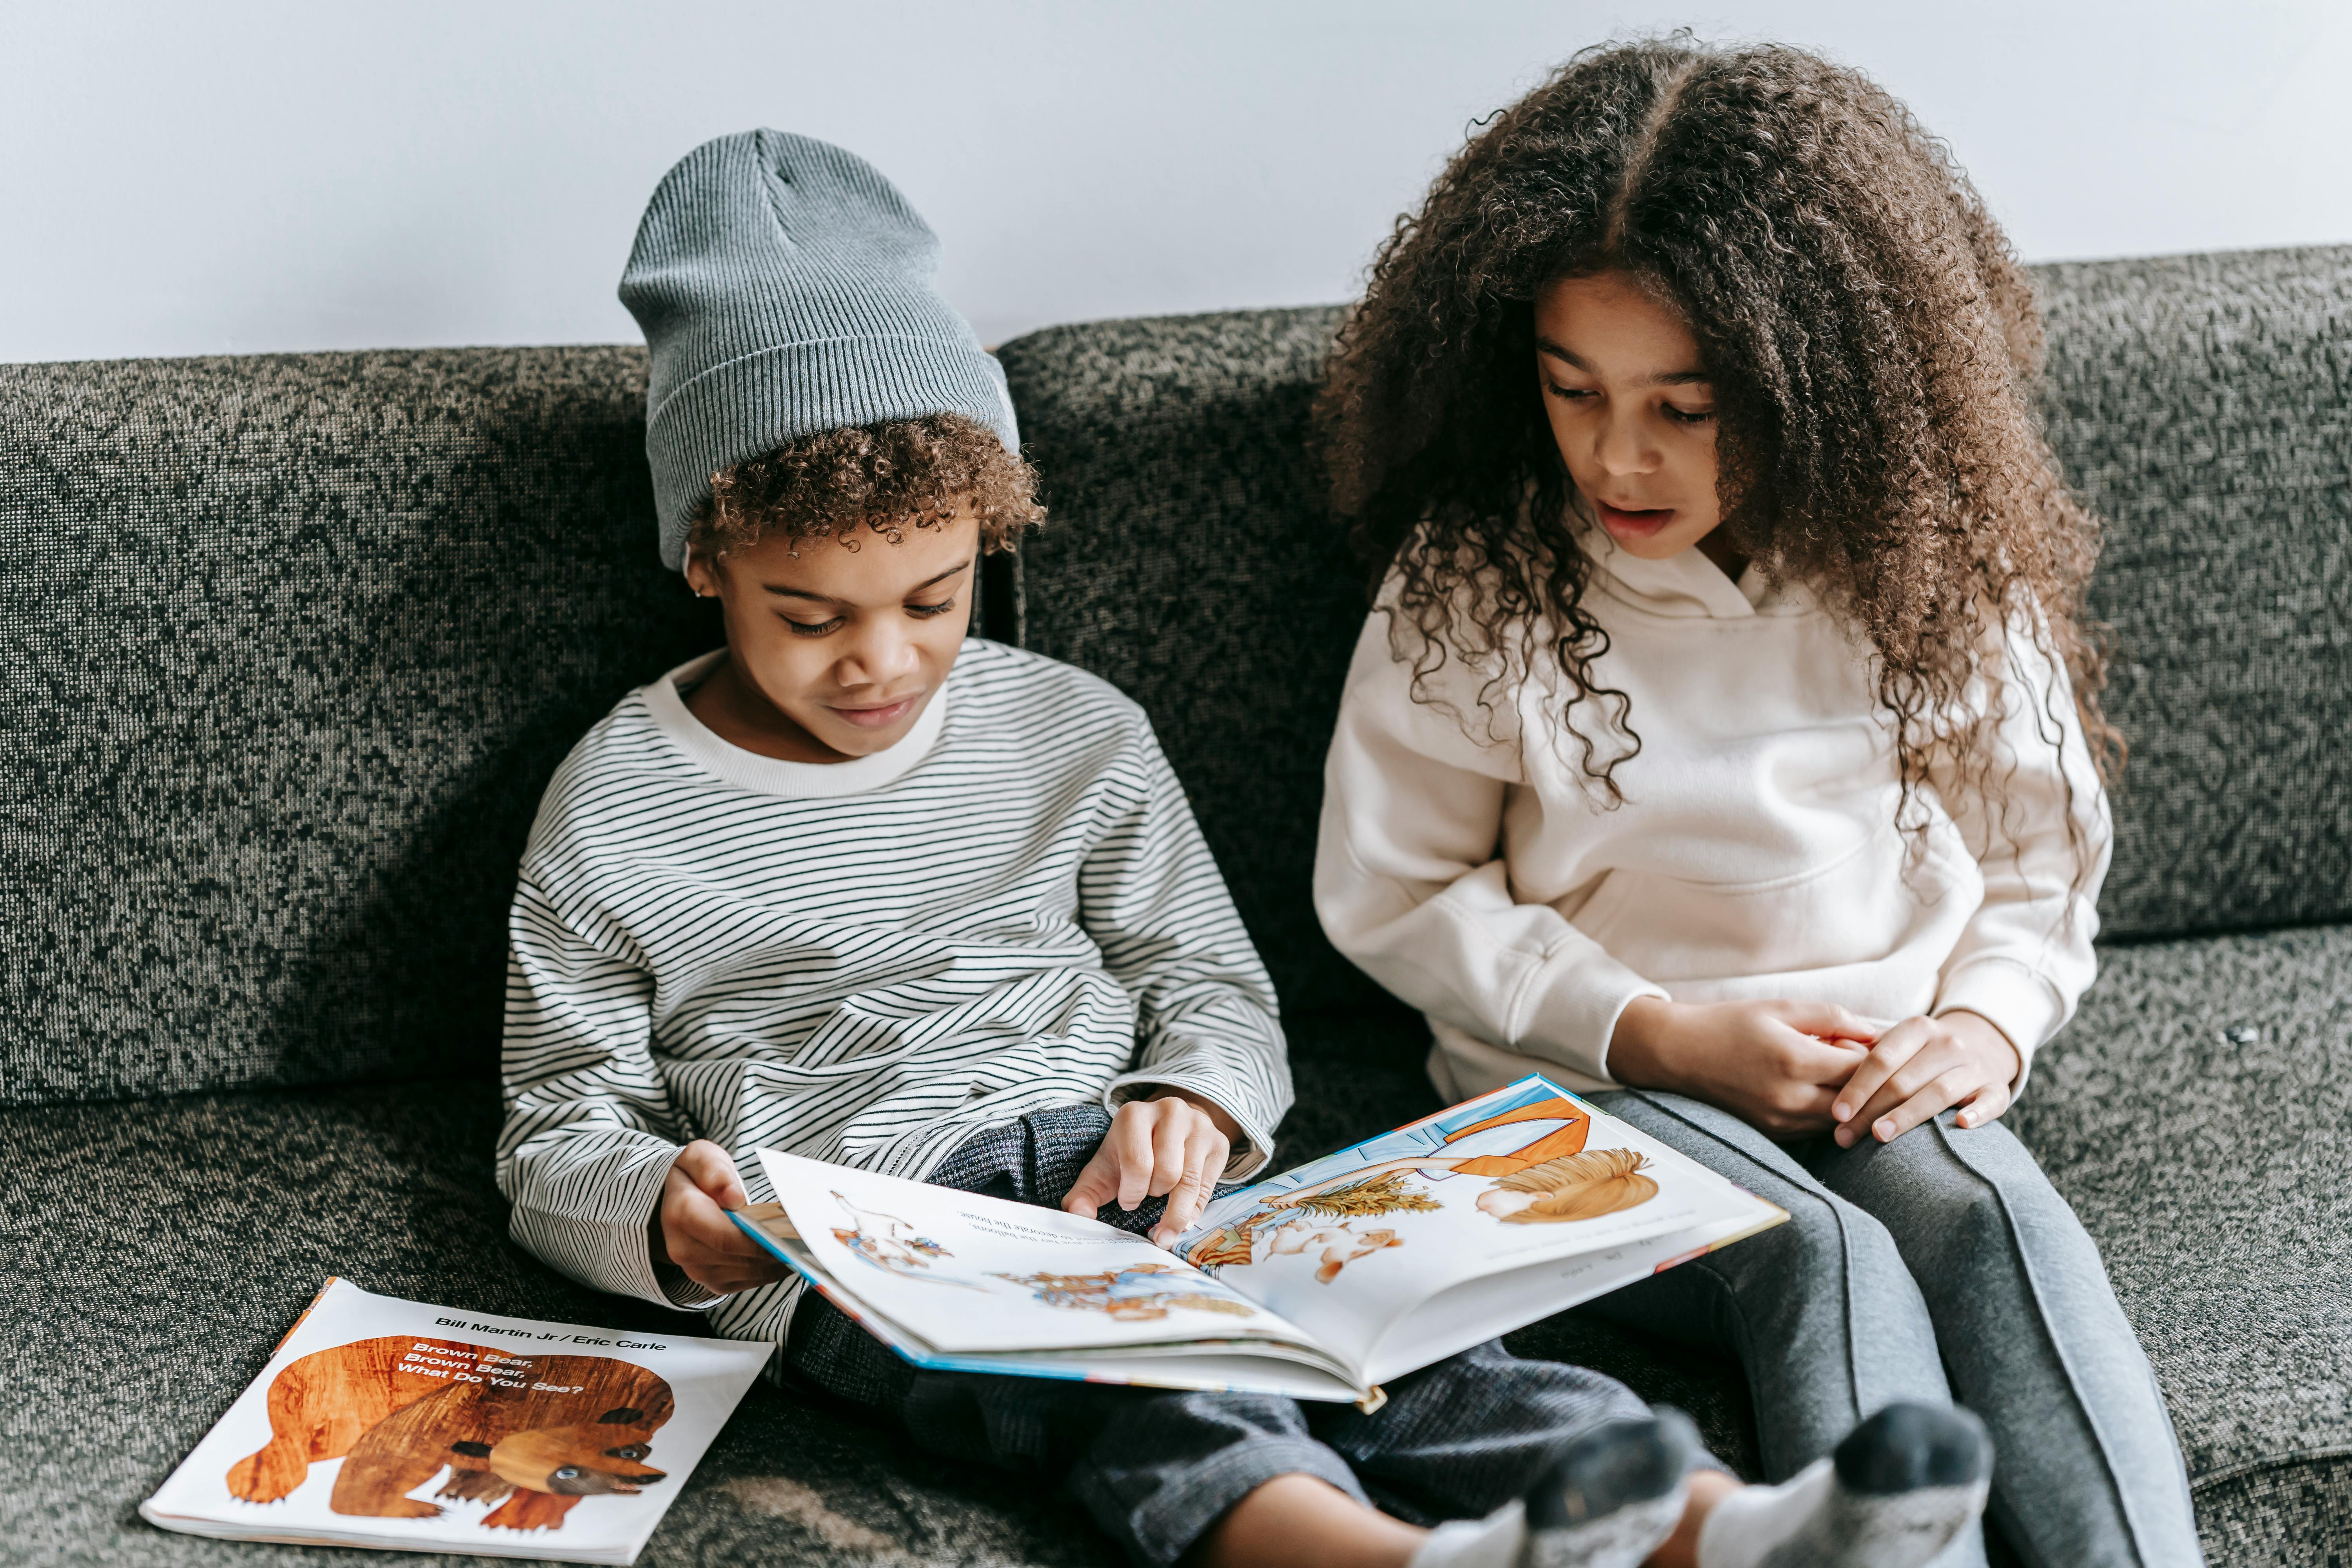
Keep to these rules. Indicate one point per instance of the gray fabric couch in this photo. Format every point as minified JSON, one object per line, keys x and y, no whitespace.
{"x":292,"y":643}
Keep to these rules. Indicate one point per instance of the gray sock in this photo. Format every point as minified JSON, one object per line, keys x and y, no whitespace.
{"x":1902,"y":1485}
{"x":1610,"y":1497}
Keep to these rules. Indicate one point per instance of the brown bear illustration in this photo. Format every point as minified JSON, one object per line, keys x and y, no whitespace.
{"x":541,"y":1431}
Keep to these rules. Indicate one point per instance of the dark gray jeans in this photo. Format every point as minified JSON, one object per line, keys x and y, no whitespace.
{"x":1942,"y":1265}
{"x":1156,"y":1468}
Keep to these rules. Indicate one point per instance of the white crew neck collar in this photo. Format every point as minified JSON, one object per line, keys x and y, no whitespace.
{"x":772,"y":775}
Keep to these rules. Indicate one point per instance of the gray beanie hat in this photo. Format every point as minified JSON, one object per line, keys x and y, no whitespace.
{"x":786,"y":288}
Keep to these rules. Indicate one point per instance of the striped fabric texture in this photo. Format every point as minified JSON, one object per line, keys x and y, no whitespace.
{"x":1010,"y":910}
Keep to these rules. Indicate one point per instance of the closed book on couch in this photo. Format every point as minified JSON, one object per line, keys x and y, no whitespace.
{"x":394,"y":1424}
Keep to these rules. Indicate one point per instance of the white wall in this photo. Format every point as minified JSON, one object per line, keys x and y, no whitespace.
{"x":240,"y":176}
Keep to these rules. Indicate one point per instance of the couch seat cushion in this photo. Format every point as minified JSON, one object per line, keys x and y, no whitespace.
{"x":2196,"y":1113}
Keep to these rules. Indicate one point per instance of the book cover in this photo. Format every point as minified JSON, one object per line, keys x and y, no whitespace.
{"x":384,"y":1423}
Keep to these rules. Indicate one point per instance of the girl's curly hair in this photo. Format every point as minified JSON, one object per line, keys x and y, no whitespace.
{"x":1875,"y":355}
{"x":900,"y":474}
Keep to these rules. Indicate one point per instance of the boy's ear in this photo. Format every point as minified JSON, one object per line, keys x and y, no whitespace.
{"x":700,"y":577}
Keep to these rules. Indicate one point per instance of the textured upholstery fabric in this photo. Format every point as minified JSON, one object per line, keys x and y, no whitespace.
{"x":178,"y":1239}
{"x":2203,"y":404}
{"x":2197,"y":1113}
{"x":293,"y":643}
{"x":162,"y":1247}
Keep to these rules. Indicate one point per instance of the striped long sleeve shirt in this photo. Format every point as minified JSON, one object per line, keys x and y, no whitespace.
{"x":865,"y":962}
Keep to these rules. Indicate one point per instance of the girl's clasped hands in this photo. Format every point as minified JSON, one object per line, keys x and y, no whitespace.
{"x":1797,"y":1070}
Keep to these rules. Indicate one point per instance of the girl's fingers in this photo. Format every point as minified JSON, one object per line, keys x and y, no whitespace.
{"x":1930,"y":1101}
{"x":1885,"y":1058}
{"x":1986,"y":1105}
{"x":1808,"y":1059}
{"x":1797,"y":1114}
{"x":1826,"y":1020}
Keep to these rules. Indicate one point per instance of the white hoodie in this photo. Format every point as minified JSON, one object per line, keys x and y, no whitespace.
{"x":1755,"y":855}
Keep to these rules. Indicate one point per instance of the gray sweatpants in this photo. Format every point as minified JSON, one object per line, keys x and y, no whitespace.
{"x":1941,"y":1266}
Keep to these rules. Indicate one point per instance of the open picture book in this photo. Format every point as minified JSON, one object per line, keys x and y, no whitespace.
{"x":1320,"y":1283}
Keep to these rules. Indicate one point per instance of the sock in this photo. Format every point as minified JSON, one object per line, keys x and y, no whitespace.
{"x":1606,"y":1500}
{"x":1901,"y":1485}
{"x":1490,"y":1542}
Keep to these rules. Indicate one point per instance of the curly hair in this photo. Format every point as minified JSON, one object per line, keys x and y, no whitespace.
{"x":1875,"y":355}
{"x":899,"y":474}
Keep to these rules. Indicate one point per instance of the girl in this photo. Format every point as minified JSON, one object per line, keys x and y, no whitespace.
{"x":1726,"y":735}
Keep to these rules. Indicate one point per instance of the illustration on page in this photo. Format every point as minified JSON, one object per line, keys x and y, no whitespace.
{"x":1528,"y":1163}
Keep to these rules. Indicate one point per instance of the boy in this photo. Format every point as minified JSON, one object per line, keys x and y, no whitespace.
{"x":858,"y":887}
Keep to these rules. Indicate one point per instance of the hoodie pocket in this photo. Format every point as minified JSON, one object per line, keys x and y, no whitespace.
{"x":1858,"y":909}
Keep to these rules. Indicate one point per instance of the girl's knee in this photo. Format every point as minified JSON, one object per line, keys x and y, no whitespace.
{"x":1824,"y":1241}
{"x":1949,"y":1192}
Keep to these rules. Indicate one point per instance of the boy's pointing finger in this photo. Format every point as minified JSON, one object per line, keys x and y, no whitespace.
{"x":1206,"y":1157}
{"x":1130,"y":1144}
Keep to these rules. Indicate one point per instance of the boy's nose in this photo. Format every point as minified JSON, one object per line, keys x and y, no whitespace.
{"x":880,"y":658}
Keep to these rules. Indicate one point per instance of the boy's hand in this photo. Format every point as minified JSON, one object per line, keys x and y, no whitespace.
{"x":1922,"y":1066}
{"x":1776,"y":1065}
{"x":690,"y":1228}
{"x":1174,"y":1145}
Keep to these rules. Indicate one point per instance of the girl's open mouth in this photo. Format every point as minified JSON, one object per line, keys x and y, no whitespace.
{"x":1623,"y":525}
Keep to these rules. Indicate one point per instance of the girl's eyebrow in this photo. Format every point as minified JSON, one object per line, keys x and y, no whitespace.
{"x":782,"y":592}
{"x":1670,"y":378}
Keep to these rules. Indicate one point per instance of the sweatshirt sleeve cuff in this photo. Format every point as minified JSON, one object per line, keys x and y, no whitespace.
{"x":609,"y":1245}
{"x":2010,"y":997}
{"x":1248,"y":1158}
{"x":1570,"y":1009}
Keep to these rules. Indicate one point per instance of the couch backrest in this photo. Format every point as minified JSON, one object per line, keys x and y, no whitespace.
{"x":1185,"y":560}
{"x":292,"y":643}
{"x":291,"y":646}
{"x":2202,"y":403}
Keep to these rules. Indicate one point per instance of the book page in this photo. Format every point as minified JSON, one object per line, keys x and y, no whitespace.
{"x":1349,"y":1246}
{"x":1256,"y":1366}
{"x":969,"y":1273}
{"x":1469,"y":1314}
{"x":380,"y":1422}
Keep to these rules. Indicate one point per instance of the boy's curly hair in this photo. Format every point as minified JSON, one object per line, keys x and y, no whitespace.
{"x":899,"y":474}
{"x":1875,"y":355}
